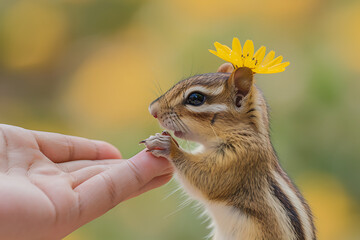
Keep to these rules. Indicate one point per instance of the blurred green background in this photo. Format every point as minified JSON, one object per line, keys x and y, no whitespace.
{"x":91,"y":67}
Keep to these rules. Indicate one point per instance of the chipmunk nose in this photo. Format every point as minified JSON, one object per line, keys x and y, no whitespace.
{"x":153,"y":109}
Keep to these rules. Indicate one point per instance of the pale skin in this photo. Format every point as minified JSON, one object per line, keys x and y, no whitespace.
{"x":51,"y":184}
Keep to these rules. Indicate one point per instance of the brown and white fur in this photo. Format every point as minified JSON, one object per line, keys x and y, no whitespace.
{"x":236,"y":175}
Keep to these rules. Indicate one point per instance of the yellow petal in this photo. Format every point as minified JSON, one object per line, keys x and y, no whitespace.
{"x":221,"y":55}
{"x":236,"y":59}
{"x":277,"y":70}
{"x":274,"y":62}
{"x":260,"y":69}
{"x":236,"y":46}
{"x":213,"y":52}
{"x":278,"y":67}
{"x":284,"y":64}
{"x":236,"y":52}
{"x":269,"y":57}
{"x":224,"y":48}
{"x":248,"y":49}
{"x":238,"y":62}
{"x":245,"y":57}
{"x":260,"y":54}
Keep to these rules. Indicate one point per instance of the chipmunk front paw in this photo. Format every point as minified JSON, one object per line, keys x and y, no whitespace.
{"x":160,"y":144}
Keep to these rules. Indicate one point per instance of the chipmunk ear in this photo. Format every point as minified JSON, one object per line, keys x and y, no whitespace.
{"x":242,"y":80}
{"x":226,"y":68}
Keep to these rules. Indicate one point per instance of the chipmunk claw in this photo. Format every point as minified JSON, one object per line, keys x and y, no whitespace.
{"x":165,"y":133}
{"x":159,"y":145}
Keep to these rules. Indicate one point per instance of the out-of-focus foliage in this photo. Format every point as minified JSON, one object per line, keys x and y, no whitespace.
{"x":91,"y":67}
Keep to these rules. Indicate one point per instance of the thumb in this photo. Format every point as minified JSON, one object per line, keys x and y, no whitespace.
{"x":104,"y":191}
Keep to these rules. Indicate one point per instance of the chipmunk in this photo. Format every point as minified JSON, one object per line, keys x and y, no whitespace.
{"x":236,"y":174}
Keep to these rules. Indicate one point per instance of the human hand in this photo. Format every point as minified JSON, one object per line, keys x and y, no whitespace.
{"x":51,"y":184}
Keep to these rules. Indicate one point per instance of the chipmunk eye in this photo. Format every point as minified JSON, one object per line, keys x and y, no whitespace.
{"x":195,"y":99}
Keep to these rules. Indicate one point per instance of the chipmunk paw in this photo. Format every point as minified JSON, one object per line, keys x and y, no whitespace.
{"x":159,"y":145}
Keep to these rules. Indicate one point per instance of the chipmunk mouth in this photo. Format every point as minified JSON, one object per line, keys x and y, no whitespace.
{"x":175,"y":125}
{"x":179,"y":134}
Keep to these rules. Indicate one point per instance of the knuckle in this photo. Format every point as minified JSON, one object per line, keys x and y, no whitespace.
{"x":111,"y":187}
{"x":70,"y":147}
{"x":136,"y":172}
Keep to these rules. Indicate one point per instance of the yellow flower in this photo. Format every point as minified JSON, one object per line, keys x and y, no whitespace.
{"x":245,"y":57}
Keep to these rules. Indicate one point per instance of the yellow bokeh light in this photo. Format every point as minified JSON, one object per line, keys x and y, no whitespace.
{"x":330,"y":203}
{"x":212,"y":9}
{"x":220,"y":10}
{"x":115,"y":85}
{"x":343,"y":37}
{"x":33,"y":33}
{"x":286,"y":10}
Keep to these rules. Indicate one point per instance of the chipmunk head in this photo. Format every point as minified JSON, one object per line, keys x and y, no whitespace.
{"x":204,"y":107}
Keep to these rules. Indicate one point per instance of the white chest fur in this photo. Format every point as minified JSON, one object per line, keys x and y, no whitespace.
{"x":230,"y":223}
{"x":227,"y":223}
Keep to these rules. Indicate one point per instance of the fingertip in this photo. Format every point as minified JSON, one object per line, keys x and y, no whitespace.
{"x":106,"y":150}
{"x":149,"y":163}
{"x":148,"y":156}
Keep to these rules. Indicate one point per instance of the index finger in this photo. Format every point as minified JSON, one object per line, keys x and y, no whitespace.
{"x":127,"y":179}
{"x":62,"y":148}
